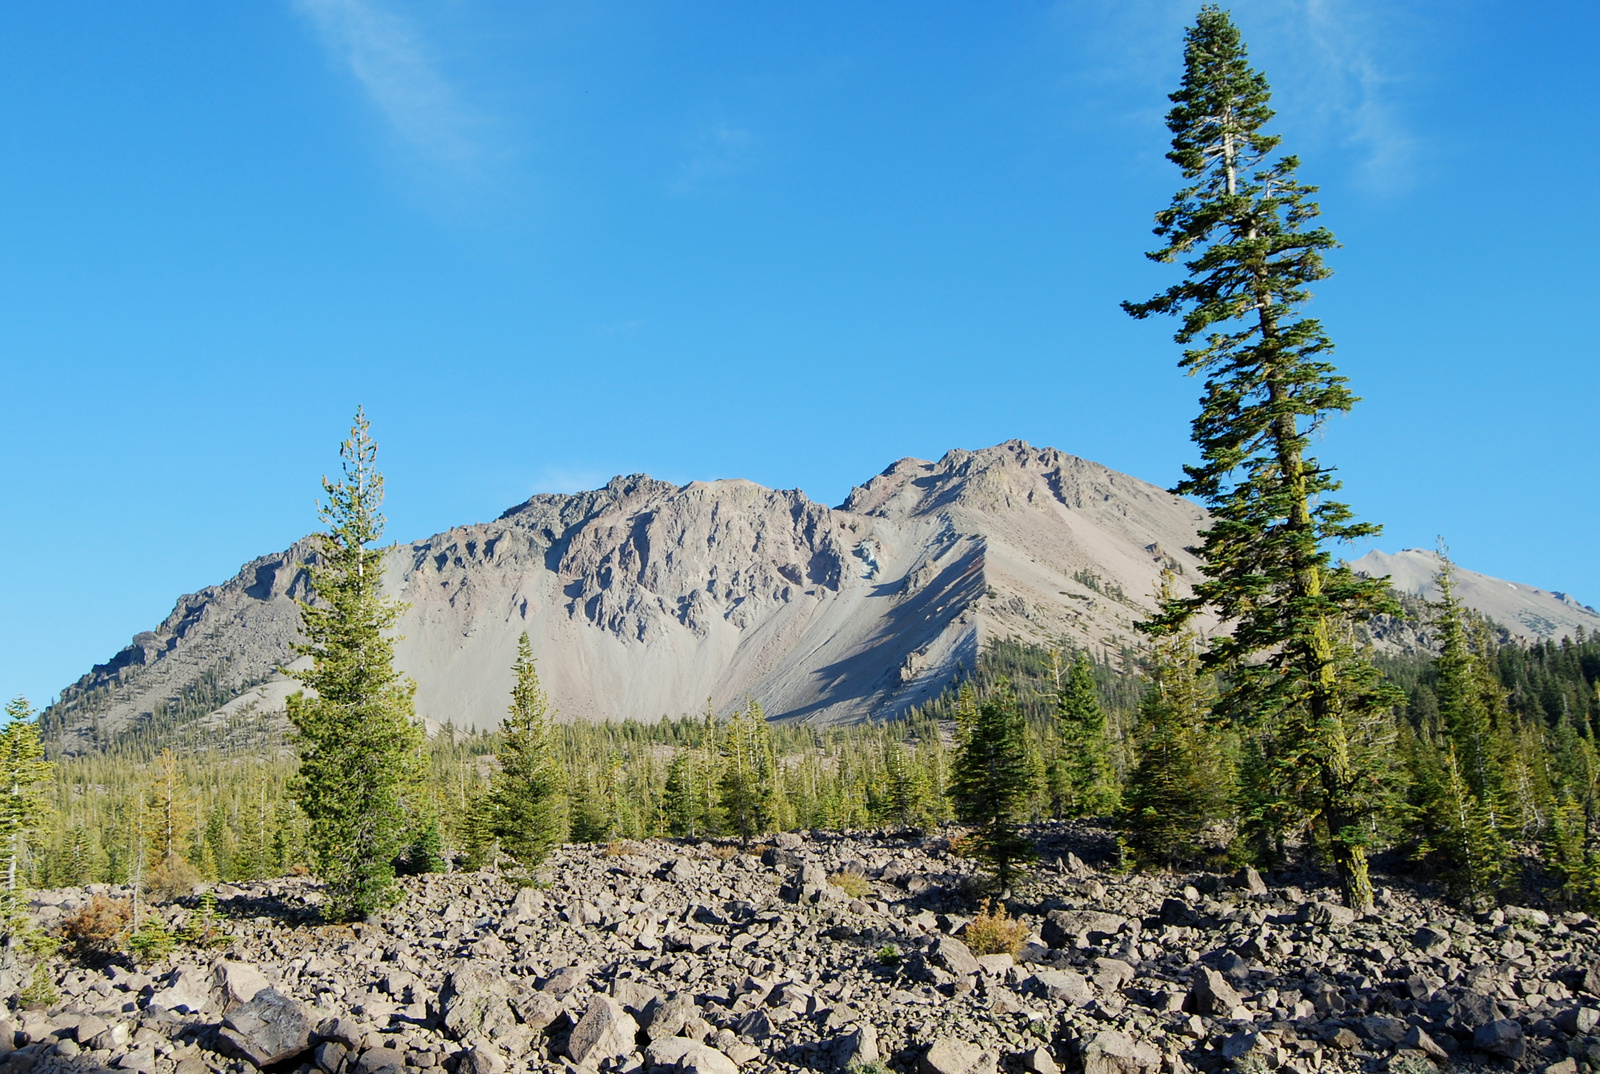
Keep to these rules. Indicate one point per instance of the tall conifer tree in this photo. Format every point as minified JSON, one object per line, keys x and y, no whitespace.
{"x":748,"y":772}
{"x":1244,"y":230}
{"x":994,"y":782}
{"x":23,"y":770}
{"x":1090,"y":788}
{"x":529,"y":790}
{"x":355,"y":728}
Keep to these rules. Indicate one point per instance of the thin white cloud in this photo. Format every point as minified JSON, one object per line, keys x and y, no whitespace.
{"x":391,"y":60}
{"x":1339,"y":86}
{"x":717,"y":150}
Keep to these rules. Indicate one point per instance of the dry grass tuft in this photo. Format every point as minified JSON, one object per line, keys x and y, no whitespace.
{"x":852,"y":884}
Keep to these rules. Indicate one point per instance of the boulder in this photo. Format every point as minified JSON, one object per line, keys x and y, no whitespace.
{"x":688,"y":1057}
{"x":1431,"y":941}
{"x":951,"y":954}
{"x":1502,"y":1037}
{"x":949,"y":1056}
{"x":605,"y":1031}
{"x":234,"y":983}
{"x":1212,"y":994}
{"x":1113,"y":1052}
{"x":381,"y":1061}
{"x":857,"y":1048}
{"x":269,"y":1029}
{"x":474,"y":1002}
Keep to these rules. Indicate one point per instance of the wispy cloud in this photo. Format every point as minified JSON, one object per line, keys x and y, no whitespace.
{"x":1340,"y":82}
{"x":717,"y":150}
{"x":390,"y":58}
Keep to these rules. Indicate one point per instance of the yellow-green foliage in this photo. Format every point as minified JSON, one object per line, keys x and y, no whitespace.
{"x":993,"y":931}
{"x":852,"y":884}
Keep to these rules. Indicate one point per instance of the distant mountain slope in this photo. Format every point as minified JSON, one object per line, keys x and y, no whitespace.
{"x":643,"y":598}
{"x":1523,"y":610}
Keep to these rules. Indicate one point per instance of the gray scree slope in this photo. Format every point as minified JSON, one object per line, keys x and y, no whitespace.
{"x":642,"y":598}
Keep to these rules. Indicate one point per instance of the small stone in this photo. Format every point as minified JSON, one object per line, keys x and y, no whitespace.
{"x":1417,"y":1040}
{"x":482,"y":1059}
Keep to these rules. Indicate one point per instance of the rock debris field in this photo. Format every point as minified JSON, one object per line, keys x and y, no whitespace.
{"x":702,"y":959}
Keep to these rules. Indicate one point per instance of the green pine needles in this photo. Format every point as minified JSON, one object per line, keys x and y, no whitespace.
{"x":360,"y":745}
{"x":1090,"y":784}
{"x":23,"y":771}
{"x":529,"y":791}
{"x":995,"y":778}
{"x":745,"y":789}
{"x":1243,"y":229}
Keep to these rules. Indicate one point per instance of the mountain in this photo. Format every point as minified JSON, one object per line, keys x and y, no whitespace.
{"x":1523,"y":611}
{"x":644,"y":598}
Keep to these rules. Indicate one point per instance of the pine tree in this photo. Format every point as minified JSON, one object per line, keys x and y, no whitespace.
{"x":1090,"y":783}
{"x":22,"y":804}
{"x":529,"y":789}
{"x":1180,"y":784}
{"x":994,"y":783}
{"x":907,"y":797}
{"x":1243,"y":226}
{"x":748,"y":772}
{"x":354,"y":726}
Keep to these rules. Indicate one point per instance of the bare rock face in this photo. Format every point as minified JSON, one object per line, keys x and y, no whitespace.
{"x":642,"y":598}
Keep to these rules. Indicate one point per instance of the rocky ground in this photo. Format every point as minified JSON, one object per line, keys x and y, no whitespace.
{"x":708,"y":960}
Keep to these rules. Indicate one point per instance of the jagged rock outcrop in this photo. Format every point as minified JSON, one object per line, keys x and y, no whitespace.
{"x":643,"y":598}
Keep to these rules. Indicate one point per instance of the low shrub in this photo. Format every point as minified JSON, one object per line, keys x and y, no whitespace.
{"x":98,"y":926}
{"x":993,"y":931}
{"x":171,"y":878}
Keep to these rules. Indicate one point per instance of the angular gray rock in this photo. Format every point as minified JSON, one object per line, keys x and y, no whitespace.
{"x":1502,"y":1037}
{"x":951,"y":954}
{"x":688,"y":1057}
{"x":1111,"y":1051}
{"x":475,"y":1002}
{"x":270,"y":1029}
{"x":605,"y":1031}
{"x":949,"y":1056}
{"x":1212,"y":994}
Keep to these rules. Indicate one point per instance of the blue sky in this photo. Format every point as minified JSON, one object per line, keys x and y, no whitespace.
{"x":546,"y":243}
